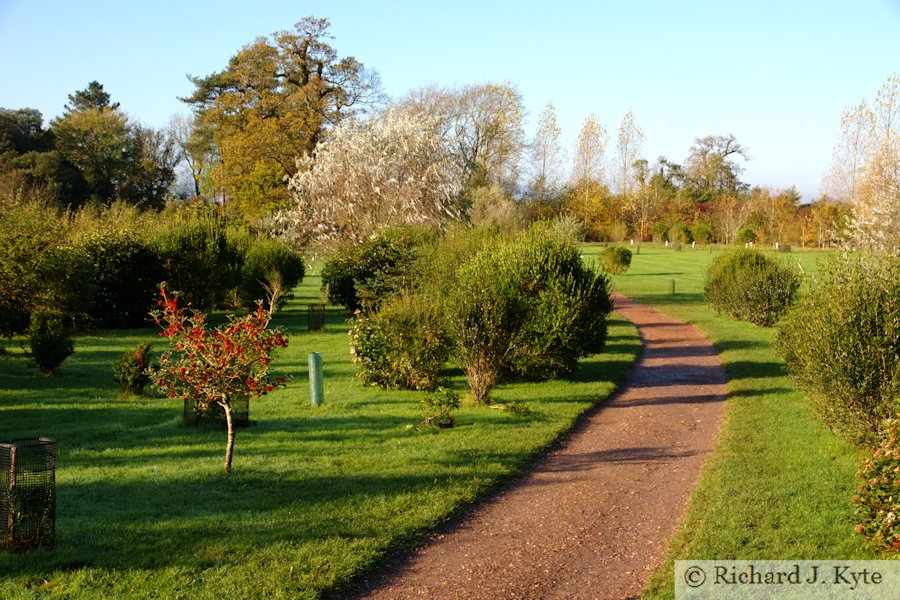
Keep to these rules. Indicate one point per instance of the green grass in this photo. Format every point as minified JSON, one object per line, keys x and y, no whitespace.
{"x":318,"y":496}
{"x":779,"y":485}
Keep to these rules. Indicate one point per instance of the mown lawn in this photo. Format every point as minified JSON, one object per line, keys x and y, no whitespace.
{"x":318,"y":495}
{"x":779,"y":485}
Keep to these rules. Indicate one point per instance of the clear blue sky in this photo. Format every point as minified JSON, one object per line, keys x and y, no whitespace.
{"x":775,"y":73}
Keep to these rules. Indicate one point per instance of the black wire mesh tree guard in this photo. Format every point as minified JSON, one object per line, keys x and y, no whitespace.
{"x":27,"y":494}
{"x":213,"y":413}
{"x":315,"y":317}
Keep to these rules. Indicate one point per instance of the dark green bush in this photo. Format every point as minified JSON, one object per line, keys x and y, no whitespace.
{"x":615,"y":259}
{"x":201,"y":252}
{"x":404,"y":346}
{"x":360,"y":277}
{"x":130,"y":370}
{"x":750,"y":286}
{"x":123,"y":275}
{"x":842,"y":343}
{"x":265,"y":262}
{"x":50,"y":341}
{"x":526,"y":308}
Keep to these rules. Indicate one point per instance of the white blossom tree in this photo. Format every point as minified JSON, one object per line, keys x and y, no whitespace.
{"x":392,"y":169}
{"x":866,"y":169}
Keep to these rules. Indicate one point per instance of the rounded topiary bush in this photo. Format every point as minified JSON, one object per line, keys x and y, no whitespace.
{"x":842,"y":343}
{"x":750,"y":286}
{"x":615,"y":259}
{"x":404,"y":346}
{"x":527,"y":308}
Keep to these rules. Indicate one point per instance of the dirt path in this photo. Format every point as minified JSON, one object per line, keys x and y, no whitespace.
{"x":592,"y":518}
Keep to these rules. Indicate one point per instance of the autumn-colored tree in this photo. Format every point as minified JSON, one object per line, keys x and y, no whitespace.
{"x":272,"y":104}
{"x":216,"y":365}
{"x":589,"y":166}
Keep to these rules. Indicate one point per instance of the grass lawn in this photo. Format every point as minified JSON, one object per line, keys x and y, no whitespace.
{"x":318,"y":495}
{"x":779,"y":485}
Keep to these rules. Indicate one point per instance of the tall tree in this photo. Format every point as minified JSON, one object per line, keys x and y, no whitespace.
{"x":483,"y":126}
{"x":393,"y":169}
{"x":867,"y":161}
{"x":588,"y":171}
{"x":195,"y":149}
{"x":93,"y":96}
{"x":102,"y":144}
{"x":711,"y":168}
{"x":545,"y":156}
{"x":272,"y":104}
{"x":628,"y":150}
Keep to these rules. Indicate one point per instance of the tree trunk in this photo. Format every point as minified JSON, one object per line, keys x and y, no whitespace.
{"x":229,"y":447}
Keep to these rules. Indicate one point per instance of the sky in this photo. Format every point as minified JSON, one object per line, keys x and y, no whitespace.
{"x":775,"y":74}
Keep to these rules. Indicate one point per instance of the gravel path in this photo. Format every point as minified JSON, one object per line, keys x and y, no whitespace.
{"x":592,"y":518}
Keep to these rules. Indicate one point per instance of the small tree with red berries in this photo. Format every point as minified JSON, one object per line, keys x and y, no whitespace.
{"x":216,"y":365}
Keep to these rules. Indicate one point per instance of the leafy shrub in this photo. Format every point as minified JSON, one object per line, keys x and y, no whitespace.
{"x":526,"y":308}
{"x":745,"y":235}
{"x":50,"y":341}
{"x":567,"y":308}
{"x":265,"y":262}
{"x":201,"y":253}
{"x":122,"y":274}
{"x":404,"y":346}
{"x":437,"y":262}
{"x":702,"y":234}
{"x":28,"y":231}
{"x":360,"y":277}
{"x":842,"y":343}
{"x":437,"y":406}
{"x":878,"y":500}
{"x":130,"y":370}
{"x":680,"y":233}
{"x":660,"y":232}
{"x":750,"y":286}
{"x":615,"y":259}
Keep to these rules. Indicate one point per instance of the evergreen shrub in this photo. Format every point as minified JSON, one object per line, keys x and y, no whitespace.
{"x":749,"y":286}
{"x":842,"y":344}
{"x":615,"y":259}
{"x":268,"y":261}
{"x":360,"y":277}
{"x":403,"y":346}
{"x":131,"y":369}
{"x":50,"y":341}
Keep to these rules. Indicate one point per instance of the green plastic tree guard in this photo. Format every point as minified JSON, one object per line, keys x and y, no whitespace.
{"x":316,"y":380}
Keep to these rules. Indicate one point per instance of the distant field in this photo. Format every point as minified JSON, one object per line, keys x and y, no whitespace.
{"x":318,"y":495}
{"x":779,"y":484}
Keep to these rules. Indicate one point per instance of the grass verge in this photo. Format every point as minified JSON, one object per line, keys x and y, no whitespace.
{"x":779,"y":485}
{"x":318,"y":495}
